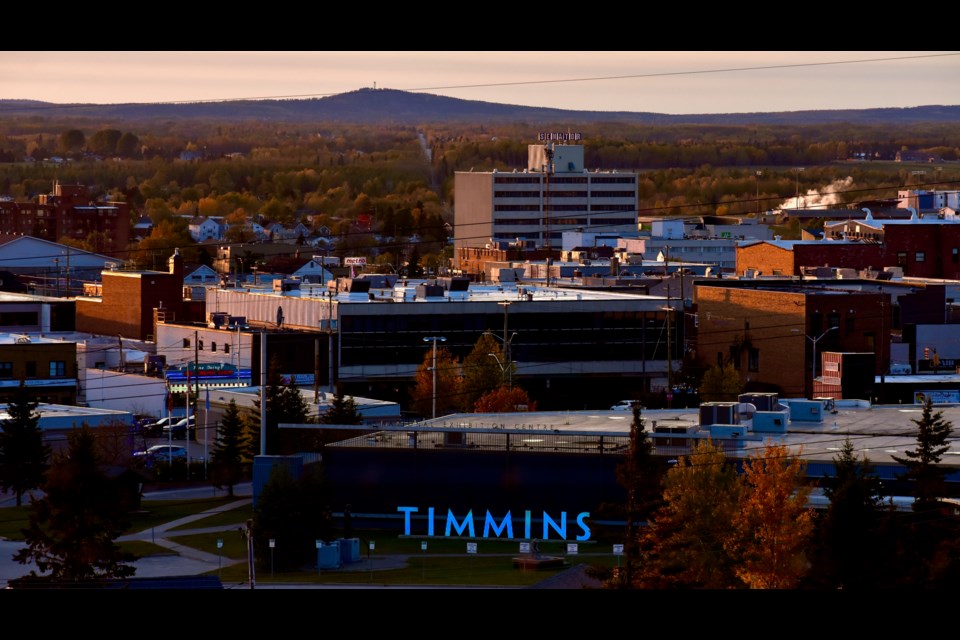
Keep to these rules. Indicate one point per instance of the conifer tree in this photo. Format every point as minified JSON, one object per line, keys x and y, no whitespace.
{"x":24,"y":456}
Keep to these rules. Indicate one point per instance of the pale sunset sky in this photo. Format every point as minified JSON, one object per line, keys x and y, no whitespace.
{"x":674,"y":82}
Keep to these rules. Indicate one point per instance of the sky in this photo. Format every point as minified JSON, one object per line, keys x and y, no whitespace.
{"x":676,"y":82}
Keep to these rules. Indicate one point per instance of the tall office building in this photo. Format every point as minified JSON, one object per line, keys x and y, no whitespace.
{"x":555,"y":193}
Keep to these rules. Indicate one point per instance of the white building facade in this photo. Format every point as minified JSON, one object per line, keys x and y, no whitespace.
{"x":555,"y":193}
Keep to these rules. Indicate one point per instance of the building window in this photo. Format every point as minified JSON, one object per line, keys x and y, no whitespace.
{"x":31,"y":369}
{"x":833,"y":320}
{"x":226,"y":347}
{"x":213,"y":347}
{"x":735,"y":357}
{"x":920,"y":256}
{"x":753,"y":359}
{"x":955,"y":255}
{"x":850,"y":324}
{"x":186,"y":343}
{"x":902,"y":259}
{"x":58,"y":369}
{"x":6,"y":369}
{"x":199,"y":344}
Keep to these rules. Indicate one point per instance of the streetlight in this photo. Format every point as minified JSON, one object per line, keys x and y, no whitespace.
{"x":434,"y":368}
{"x":813,"y":351}
{"x":506,"y":341}
{"x":799,"y":170}
{"x":503,"y":371}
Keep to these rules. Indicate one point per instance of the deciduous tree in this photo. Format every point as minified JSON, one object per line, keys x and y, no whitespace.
{"x":505,"y":400}
{"x":684,"y":545}
{"x":720,"y":384}
{"x":72,"y":529}
{"x":482,"y":372}
{"x":774,"y":524}
{"x":448,"y":384}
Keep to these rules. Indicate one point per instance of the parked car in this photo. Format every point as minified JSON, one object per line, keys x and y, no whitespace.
{"x":623,"y":405}
{"x":179,"y":428}
{"x":161,"y":452}
{"x":155,"y":428}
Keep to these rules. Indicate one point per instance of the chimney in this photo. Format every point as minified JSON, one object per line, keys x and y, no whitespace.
{"x":175,"y":264}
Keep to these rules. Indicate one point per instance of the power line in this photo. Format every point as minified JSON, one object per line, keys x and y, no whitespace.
{"x":634,"y":76}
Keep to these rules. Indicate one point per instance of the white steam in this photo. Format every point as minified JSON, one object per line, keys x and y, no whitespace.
{"x":813,"y":199}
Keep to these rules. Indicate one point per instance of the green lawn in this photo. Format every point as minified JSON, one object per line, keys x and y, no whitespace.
{"x":141,"y":548}
{"x":237,"y":516}
{"x":12,"y":519}
{"x":462,"y":570}
{"x":156,"y":512}
{"x":234,"y":543}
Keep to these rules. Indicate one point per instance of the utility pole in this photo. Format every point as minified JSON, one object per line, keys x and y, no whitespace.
{"x":263,"y":398}
{"x":196,"y":386}
{"x":669,"y":311}
{"x":434,"y":368}
{"x":251,"y":572}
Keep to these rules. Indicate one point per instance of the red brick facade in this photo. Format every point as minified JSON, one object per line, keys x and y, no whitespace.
{"x":126,"y":306}
{"x":70,"y":212}
{"x":763,"y":331}
{"x":772,"y":260}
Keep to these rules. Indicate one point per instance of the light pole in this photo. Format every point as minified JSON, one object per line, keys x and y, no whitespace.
{"x":503,"y":371}
{"x":759,"y":173}
{"x":434,"y":368}
{"x":506,"y":341}
{"x":799,"y":170}
{"x":813,"y":353}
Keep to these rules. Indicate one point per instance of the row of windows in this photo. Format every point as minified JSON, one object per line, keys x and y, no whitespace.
{"x":525,"y":221}
{"x":516,"y":194}
{"x":516,"y":180}
{"x":516,"y":207}
{"x":58,"y":369}
{"x":617,"y":180}
{"x":570,"y":221}
{"x":213,"y":345}
{"x":566,"y":180}
{"x":612,"y":207}
{"x":558,"y":207}
{"x":612,"y":194}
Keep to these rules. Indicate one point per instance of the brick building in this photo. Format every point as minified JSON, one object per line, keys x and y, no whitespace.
{"x":70,"y":212}
{"x":921,"y":247}
{"x":127,"y":302}
{"x":47,"y":367}
{"x":766,"y":329}
{"x":786,"y":257}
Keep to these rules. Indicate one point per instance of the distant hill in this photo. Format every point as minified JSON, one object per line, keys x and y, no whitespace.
{"x":403,"y":107}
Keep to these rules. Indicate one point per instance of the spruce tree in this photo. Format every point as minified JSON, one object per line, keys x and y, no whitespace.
{"x":228,"y":450}
{"x":923,"y":466}
{"x":23,"y":454}
{"x":343,"y":410}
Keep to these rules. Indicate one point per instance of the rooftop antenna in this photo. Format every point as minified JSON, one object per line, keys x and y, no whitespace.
{"x":548,"y":168}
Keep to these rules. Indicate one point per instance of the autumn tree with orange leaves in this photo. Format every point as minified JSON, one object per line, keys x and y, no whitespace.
{"x":448,"y":384}
{"x":774,"y":525}
{"x":504,"y":400}
{"x":683,"y":545}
